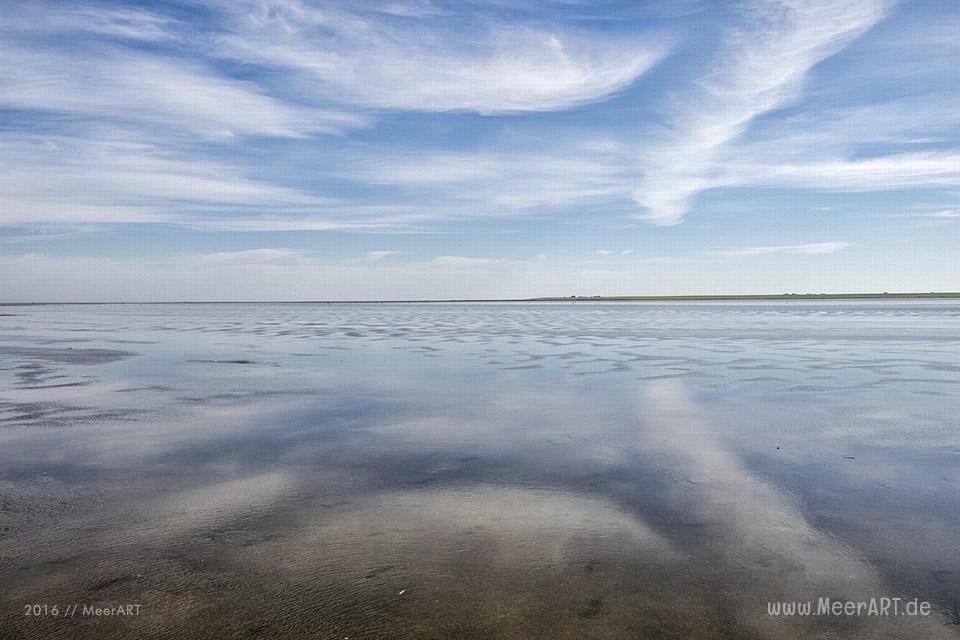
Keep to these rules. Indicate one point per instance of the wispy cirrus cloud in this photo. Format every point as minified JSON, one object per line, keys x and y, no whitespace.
{"x":120,"y":177}
{"x":892,"y":171}
{"x":816,"y":248}
{"x":373,"y":60}
{"x":416,"y":117}
{"x":561,"y":173}
{"x":117,"y":21}
{"x":487,"y":182}
{"x":124,"y":181}
{"x":762,"y":67}
{"x":109,"y":77}
{"x":110,"y":84}
{"x":131,"y":64}
{"x":900,"y":124}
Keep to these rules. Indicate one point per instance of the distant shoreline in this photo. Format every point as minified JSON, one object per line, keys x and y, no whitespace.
{"x":933,"y":295}
{"x":775,"y":296}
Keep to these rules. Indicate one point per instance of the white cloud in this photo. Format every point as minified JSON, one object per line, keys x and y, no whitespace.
{"x":376,"y":256}
{"x":81,"y":17}
{"x":118,"y":85}
{"x":491,"y":182}
{"x":38,"y":209}
{"x":306,"y":221}
{"x":909,"y":121}
{"x":248,"y":257}
{"x":113,"y":181}
{"x":818,"y":248}
{"x":443,"y":185}
{"x":428,"y":66}
{"x":422,"y":57}
{"x":895,"y":171}
{"x":946,"y":213}
{"x":426,"y":168}
{"x":763,"y":67}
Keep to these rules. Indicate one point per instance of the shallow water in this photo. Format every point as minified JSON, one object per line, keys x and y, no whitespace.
{"x":479,"y":471}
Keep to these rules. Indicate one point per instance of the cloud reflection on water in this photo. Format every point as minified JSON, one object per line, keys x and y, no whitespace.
{"x":502,"y":503}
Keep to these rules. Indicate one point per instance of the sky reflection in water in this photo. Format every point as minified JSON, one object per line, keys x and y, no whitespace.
{"x":485,"y":471}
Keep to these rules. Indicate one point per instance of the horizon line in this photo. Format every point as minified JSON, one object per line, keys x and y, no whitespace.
{"x":573,"y":298}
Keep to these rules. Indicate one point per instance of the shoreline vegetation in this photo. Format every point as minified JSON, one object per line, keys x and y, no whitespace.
{"x":932,"y":295}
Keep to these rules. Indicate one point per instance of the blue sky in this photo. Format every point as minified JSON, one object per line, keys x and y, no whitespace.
{"x":249,"y":149}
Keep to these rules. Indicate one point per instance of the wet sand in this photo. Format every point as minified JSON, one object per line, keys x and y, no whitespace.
{"x":478,"y":471}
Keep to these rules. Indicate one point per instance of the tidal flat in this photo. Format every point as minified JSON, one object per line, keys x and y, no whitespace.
{"x":524,"y":470}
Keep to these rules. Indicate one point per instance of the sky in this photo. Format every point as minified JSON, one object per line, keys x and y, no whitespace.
{"x":294,"y":150}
